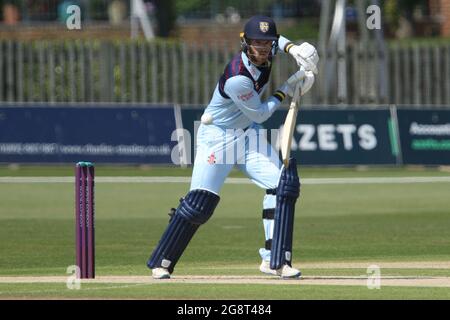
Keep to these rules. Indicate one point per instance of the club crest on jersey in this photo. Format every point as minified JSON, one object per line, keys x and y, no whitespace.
{"x":264,"y":26}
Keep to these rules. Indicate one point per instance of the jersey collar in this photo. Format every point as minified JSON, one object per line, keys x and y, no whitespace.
{"x":250,"y":67}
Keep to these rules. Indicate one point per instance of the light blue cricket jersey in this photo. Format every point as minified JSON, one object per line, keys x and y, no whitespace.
{"x":236,"y":102}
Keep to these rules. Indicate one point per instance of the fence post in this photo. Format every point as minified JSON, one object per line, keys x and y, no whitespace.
{"x":2,"y":54}
{"x":61,"y":69}
{"x":185,"y":82}
{"x":123,"y":72}
{"x":446,"y":68}
{"x":89,"y":71}
{"x":143,"y":67}
{"x":82,"y":75}
{"x":437,"y":75}
{"x":71,"y":75}
{"x":165,"y":72}
{"x":195,"y":71}
{"x":206,"y":74}
{"x":175,"y":74}
{"x":154,"y":72}
{"x":427,"y":74}
{"x":364,"y":72}
{"x":133,"y":71}
{"x":390,"y":89}
{"x":41,"y":84}
{"x":417,"y":75}
{"x":215,"y":59}
{"x":103,"y":72}
{"x":30,"y":72}
{"x":111,"y":74}
{"x":9,"y":72}
{"x":19,"y":77}
{"x":397,"y":72}
{"x":373,"y":74}
{"x":355,"y":73}
{"x":406,"y":75}
{"x":51,"y":72}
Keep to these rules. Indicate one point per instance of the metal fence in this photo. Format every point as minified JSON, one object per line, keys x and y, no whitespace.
{"x":174,"y":72}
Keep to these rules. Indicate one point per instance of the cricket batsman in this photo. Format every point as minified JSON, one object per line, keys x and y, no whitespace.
{"x":231,"y":120}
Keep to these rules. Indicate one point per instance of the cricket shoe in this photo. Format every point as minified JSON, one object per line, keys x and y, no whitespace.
{"x":287,"y":272}
{"x":160,"y":273}
{"x":265,"y":268}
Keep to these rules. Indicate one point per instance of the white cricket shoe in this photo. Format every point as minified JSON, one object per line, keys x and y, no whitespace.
{"x":287,"y":272}
{"x":265,"y":268}
{"x":160,"y":273}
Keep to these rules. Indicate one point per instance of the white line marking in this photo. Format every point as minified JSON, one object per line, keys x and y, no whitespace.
{"x":413,"y":281}
{"x":311,"y":181}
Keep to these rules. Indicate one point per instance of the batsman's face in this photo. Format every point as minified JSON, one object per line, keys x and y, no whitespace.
{"x":259,"y":51}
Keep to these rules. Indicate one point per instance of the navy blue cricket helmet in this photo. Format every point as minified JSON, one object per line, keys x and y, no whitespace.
{"x":259,"y":28}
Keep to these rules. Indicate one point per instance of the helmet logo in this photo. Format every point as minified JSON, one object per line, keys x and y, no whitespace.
{"x":264,"y":26}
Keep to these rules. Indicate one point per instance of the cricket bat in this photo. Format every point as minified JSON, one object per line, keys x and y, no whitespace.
{"x":288,"y":128}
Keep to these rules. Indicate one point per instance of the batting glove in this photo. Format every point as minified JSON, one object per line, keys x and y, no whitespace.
{"x":289,"y":86}
{"x":304,"y":78}
{"x":307,"y":82}
{"x":306,"y":56}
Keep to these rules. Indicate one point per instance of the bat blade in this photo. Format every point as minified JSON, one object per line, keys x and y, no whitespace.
{"x":288,"y":128}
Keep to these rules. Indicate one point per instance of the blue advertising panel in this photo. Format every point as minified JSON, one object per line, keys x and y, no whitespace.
{"x":90,"y":133}
{"x":331,"y":136}
{"x":341,"y":136}
{"x":425,"y":136}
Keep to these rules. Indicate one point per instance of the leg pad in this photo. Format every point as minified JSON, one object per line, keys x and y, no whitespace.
{"x":195,"y":209}
{"x":287,"y":193}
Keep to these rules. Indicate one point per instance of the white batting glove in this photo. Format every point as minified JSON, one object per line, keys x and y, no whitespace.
{"x":307,"y":82}
{"x":304,"y":78}
{"x":289,"y":86}
{"x":306,"y":56}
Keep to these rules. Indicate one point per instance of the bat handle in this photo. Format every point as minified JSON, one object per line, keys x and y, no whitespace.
{"x":293,"y":105}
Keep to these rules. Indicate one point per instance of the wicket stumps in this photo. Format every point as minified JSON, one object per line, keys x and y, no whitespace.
{"x":84,"y":219}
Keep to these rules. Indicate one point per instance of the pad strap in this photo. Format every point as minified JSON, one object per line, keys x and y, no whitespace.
{"x":268,"y":214}
{"x":268,"y":244}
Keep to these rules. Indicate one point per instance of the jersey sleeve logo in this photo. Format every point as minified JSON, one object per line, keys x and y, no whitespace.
{"x":212,"y":158}
{"x":245,"y":96}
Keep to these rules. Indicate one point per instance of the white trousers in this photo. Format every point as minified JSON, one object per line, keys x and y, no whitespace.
{"x":219,"y":150}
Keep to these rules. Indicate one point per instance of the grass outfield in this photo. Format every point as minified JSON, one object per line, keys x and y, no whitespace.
{"x":340,"y":230}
